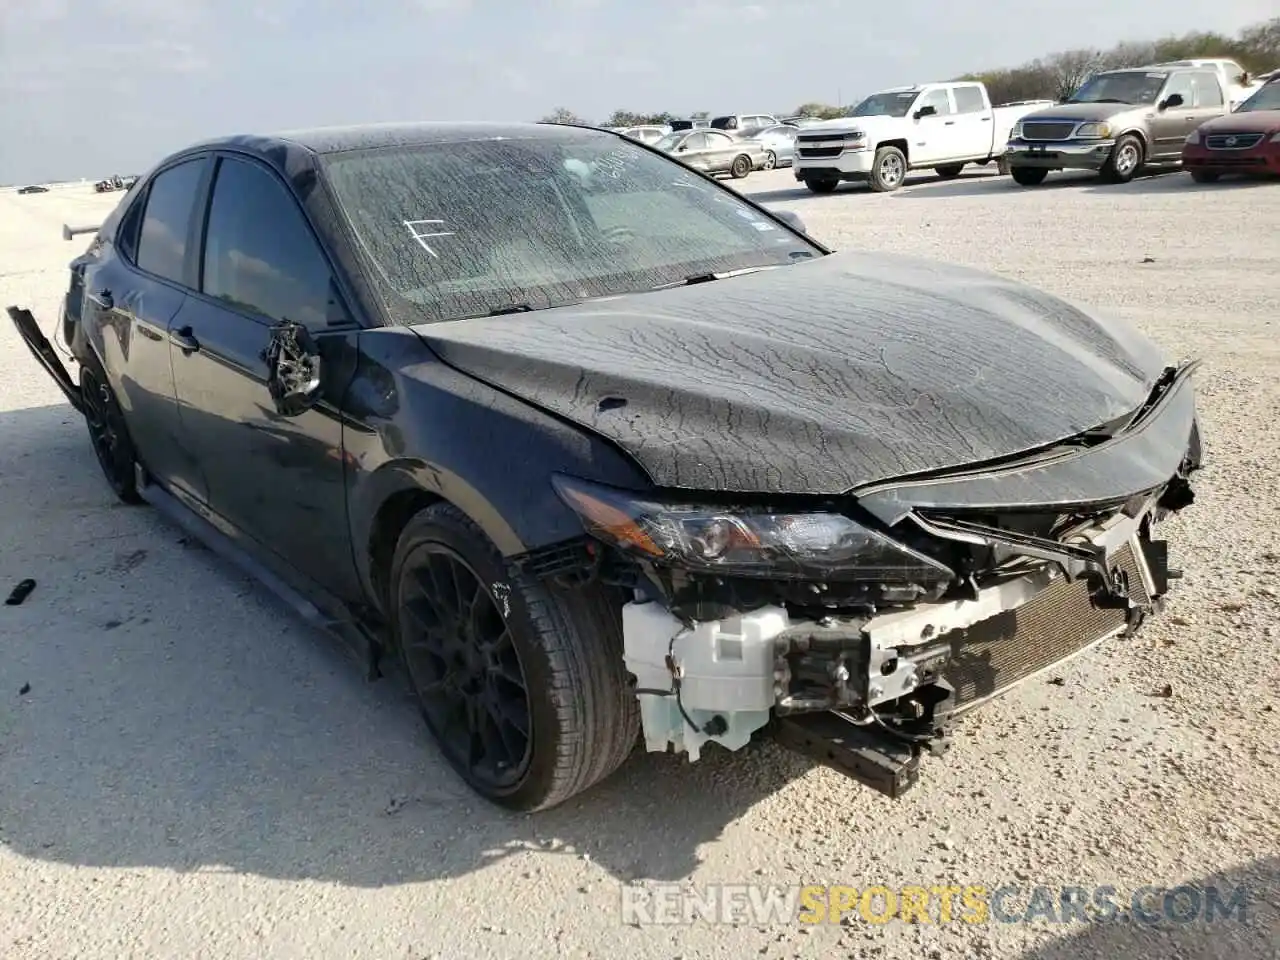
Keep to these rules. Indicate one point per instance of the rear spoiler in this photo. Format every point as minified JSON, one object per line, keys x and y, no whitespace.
{"x":69,"y":231}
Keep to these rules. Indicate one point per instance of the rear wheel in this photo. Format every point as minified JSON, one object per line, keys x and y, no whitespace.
{"x":109,"y":433}
{"x":949,"y":172}
{"x":821,"y":184}
{"x":522,"y":684}
{"x":770,"y":161}
{"x":888,"y":170}
{"x":1028,"y":176}
{"x":1125,"y":160}
{"x":740,"y":167}
{"x":1205,"y":176}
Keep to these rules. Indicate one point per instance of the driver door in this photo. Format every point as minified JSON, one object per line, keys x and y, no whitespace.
{"x":275,"y":474}
{"x":934,"y":136}
{"x":1170,"y":125}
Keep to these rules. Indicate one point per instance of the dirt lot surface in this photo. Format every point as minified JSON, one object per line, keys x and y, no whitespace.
{"x":193,"y":772}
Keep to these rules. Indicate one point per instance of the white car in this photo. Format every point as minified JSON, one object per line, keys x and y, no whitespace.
{"x":931,"y":126}
{"x":645,"y":133}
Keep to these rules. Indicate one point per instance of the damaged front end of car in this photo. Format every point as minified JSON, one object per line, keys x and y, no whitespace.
{"x":858,"y":627}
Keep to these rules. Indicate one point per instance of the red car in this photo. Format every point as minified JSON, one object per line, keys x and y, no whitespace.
{"x":1244,"y":141}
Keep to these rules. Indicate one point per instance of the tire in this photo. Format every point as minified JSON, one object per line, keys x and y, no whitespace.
{"x":1125,"y":160}
{"x":949,"y":172}
{"x":817,"y":185}
{"x":1205,"y":176}
{"x":1002,"y":166}
{"x":770,"y":161}
{"x":109,"y":433}
{"x":740,"y":167}
{"x":564,"y":646}
{"x":888,"y":170}
{"x":1028,"y":176}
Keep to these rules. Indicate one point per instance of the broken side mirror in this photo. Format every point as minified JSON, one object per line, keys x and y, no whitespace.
{"x":791,"y":219}
{"x":293,"y":368}
{"x":926,"y":111}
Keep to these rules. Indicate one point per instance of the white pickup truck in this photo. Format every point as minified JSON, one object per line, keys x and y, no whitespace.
{"x":938,"y":126}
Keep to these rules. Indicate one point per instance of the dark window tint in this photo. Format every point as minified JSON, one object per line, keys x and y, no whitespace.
{"x":259,"y":254}
{"x":162,"y":243}
{"x":968,"y":100}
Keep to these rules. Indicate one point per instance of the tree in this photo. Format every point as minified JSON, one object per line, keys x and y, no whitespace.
{"x":1069,"y":69}
{"x":823,"y":111}
{"x":562,"y":115}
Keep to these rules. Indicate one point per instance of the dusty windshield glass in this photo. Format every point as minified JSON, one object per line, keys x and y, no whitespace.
{"x":1137,"y":86}
{"x":885,"y":105}
{"x":1268,"y":98}
{"x":461,"y":229}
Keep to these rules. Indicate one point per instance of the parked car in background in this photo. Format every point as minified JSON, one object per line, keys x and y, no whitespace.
{"x":33,"y":188}
{"x":714,"y":151}
{"x":1247,"y":140}
{"x":646,"y":133}
{"x":743,"y":121}
{"x":801,"y":121}
{"x":779,"y":143}
{"x":688,"y":124}
{"x":932,"y":126}
{"x":1118,"y":122}
{"x":1235,"y":79}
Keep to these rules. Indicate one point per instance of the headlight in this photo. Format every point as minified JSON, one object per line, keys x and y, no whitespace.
{"x":1193,"y":137}
{"x":1016,"y":132}
{"x":1093,"y":131}
{"x":745,"y":541}
{"x":1275,"y":138}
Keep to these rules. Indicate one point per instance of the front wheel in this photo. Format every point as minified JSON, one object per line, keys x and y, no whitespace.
{"x":821,"y":185}
{"x":949,"y":172}
{"x":770,"y":161}
{"x":1028,"y":176}
{"x":740,"y":167}
{"x":522,"y":684}
{"x":1205,"y":176}
{"x":888,"y":170}
{"x":109,"y":433}
{"x":1125,"y":160}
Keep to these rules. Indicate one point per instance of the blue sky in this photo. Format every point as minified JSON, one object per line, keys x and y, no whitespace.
{"x":94,"y":87}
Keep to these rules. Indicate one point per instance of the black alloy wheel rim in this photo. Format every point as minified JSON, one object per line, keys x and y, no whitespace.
{"x":104,"y":430}
{"x":463,"y":662}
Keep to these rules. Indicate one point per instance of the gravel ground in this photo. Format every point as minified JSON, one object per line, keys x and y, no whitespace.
{"x":195,"y":773}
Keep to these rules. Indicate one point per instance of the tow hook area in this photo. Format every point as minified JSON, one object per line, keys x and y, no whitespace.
{"x":45,"y":355}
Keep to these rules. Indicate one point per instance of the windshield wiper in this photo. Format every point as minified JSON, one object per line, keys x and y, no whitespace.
{"x":708,"y":277}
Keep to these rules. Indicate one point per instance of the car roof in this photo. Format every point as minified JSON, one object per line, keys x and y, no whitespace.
{"x":326,"y":140}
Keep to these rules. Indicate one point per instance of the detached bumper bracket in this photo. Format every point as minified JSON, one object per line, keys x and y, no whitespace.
{"x":45,"y":355}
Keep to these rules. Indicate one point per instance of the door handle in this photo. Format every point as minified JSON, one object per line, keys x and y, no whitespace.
{"x":986,"y":119}
{"x":948,"y":123}
{"x":183,"y":340}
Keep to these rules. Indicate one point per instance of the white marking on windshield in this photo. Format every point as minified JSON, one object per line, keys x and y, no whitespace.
{"x":418,"y":229}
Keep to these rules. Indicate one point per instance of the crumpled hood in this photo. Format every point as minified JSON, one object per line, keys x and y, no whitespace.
{"x":817,"y":377}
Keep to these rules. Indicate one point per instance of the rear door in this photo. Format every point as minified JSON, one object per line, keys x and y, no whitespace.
{"x":276,"y":477}
{"x":720,"y":151}
{"x":1210,"y":99}
{"x":132,"y":299}
{"x":972,"y":132}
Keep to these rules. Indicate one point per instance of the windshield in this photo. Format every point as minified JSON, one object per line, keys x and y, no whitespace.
{"x":885,"y":104}
{"x":1268,"y":98}
{"x":1131,"y":86}
{"x":462,"y":229}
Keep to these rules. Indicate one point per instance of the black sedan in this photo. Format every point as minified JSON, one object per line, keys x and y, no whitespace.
{"x":33,"y":188}
{"x":601,"y":451}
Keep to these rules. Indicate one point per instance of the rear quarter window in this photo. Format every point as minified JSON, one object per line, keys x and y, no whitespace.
{"x":166,"y":220}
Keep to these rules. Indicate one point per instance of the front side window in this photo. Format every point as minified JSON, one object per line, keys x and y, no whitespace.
{"x":260,"y":257}
{"x":937,"y":99}
{"x":166,"y":220}
{"x":461,"y":229}
{"x":1180,"y":83}
{"x":1128,"y":86}
{"x":1208,"y":90}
